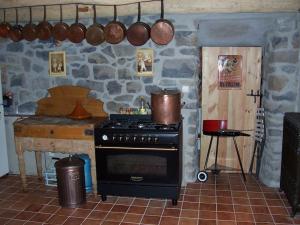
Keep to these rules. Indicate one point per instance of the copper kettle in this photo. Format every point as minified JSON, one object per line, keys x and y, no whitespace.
{"x":166,"y":106}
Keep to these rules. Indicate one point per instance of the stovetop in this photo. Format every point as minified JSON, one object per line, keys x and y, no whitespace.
{"x":136,"y":122}
{"x":136,"y":130}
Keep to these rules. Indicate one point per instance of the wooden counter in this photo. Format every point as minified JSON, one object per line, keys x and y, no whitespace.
{"x":55,"y":134}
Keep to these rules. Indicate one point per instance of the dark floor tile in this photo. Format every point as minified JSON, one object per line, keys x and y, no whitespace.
{"x":9,"y":213}
{"x":132,"y":218}
{"x":115,"y":216}
{"x":188,"y":221}
{"x":259,"y":218}
{"x":25,"y":215}
{"x":150,"y":219}
{"x":40,"y":217}
{"x":120,"y":208}
{"x":91,"y":222}
{"x":244,"y":217}
{"x":57,"y":219}
{"x":73,"y":221}
{"x":15,"y":222}
{"x":188,"y":213}
{"x":104,"y":206}
{"x":97,"y":214}
{"x":225,"y":216}
{"x":207,"y":222}
{"x":83,"y":213}
{"x":168,"y":220}
{"x":156,"y":211}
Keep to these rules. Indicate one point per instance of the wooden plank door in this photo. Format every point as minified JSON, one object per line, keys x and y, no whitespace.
{"x":231,"y":103}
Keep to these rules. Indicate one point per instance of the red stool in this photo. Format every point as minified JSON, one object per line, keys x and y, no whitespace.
{"x":218,"y":128}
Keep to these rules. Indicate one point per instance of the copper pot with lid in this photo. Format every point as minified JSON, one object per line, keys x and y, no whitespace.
{"x":166,"y":106}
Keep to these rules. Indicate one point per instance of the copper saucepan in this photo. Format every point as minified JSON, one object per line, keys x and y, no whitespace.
{"x":44,"y":28}
{"x":139,"y":32}
{"x":166,"y":106}
{"x":15,"y":33}
{"x":114,"y":31}
{"x":4,"y":26}
{"x":162,"y":31}
{"x":77,"y":30}
{"x":95,"y":33}
{"x":29,"y":31}
{"x":60,"y":29}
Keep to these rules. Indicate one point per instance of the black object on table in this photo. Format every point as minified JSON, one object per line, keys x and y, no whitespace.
{"x":223,"y":133}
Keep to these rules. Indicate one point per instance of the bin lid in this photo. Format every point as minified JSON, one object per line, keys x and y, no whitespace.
{"x":69,"y":162}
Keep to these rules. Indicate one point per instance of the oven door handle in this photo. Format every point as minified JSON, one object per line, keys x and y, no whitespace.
{"x":136,"y":148}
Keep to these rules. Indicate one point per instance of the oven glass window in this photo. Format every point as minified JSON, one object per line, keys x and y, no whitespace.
{"x":137,"y":164}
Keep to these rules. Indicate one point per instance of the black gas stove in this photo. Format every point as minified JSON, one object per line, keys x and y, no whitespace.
{"x":136,"y":157}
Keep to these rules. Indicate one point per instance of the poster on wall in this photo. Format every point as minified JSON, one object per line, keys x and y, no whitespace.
{"x":57,"y":63}
{"x":230,"y":71}
{"x":144,"y":62}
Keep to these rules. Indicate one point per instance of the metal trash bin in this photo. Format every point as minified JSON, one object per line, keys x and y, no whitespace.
{"x":70,"y":182}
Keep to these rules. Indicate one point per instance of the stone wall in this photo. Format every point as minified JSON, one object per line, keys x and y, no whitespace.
{"x":281,"y":91}
{"x":109,"y":71}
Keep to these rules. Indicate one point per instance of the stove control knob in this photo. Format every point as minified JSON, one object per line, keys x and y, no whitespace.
{"x":134,"y":138}
{"x":126,"y":138}
{"x":114,"y":138}
{"x":142,"y":139}
{"x":121,"y":138}
{"x":149,"y":139}
{"x":104,"y":137}
{"x":156,"y":139}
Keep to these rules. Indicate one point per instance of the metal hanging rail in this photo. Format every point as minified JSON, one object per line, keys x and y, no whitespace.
{"x":78,"y":3}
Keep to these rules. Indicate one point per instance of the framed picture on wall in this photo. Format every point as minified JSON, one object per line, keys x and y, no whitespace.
{"x":57,"y":63}
{"x":144,"y":62}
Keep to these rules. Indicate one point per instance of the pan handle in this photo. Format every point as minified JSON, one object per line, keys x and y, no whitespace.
{"x":162,"y":9}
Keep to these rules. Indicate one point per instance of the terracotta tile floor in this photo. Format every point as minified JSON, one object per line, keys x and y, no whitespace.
{"x":222,"y":200}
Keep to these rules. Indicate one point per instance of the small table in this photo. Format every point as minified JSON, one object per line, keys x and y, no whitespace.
{"x":55,"y":134}
{"x":224,"y":133}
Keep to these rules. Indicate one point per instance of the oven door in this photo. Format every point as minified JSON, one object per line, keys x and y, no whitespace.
{"x":137,"y":165}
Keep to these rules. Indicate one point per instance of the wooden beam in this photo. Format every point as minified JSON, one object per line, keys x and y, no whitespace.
{"x":171,"y":6}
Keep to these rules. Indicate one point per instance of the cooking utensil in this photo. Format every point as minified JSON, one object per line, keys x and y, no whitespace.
{"x":214,"y":125}
{"x":95,"y":33}
{"x":166,"y":107}
{"x":29,"y":30}
{"x":77,"y":30}
{"x":60,"y":29}
{"x":162,"y":31}
{"x":4,"y":26}
{"x":114,"y":31}
{"x":15,"y":33}
{"x":44,"y":28}
{"x":139,"y":32}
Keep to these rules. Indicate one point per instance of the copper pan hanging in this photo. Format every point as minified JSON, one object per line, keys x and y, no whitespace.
{"x":162,"y":31}
{"x":77,"y":30}
{"x":60,"y":29}
{"x":15,"y":33}
{"x":4,"y":26}
{"x":44,"y":28}
{"x":114,"y":31}
{"x":29,"y":31}
{"x":95,"y":33}
{"x":139,"y":32}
